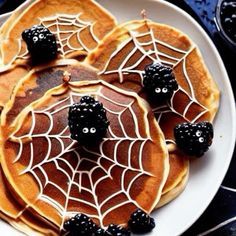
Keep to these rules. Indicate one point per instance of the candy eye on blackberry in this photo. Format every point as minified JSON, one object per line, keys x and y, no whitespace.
{"x":93,"y":130}
{"x":159,"y":82}
{"x":164,"y":90}
{"x":198,"y":133}
{"x":41,"y":36}
{"x":85,"y":130}
{"x":35,"y":38}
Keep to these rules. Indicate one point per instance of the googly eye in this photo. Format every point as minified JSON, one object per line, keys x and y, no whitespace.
{"x":41,"y":36}
{"x":93,"y":130}
{"x":201,"y":140}
{"x":157,"y":90}
{"x":85,"y":130}
{"x":198,"y":133}
{"x":164,"y":90}
{"x":35,"y":39}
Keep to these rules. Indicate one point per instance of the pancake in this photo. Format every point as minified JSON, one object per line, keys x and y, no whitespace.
{"x":122,"y":56}
{"x":42,"y":78}
{"x":107,"y":180}
{"x":39,"y":80}
{"x":174,"y":192}
{"x":77,"y":25}
{"x":21,"y":219}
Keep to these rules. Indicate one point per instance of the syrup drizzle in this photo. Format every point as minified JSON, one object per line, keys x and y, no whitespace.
{"x":70,"y":148}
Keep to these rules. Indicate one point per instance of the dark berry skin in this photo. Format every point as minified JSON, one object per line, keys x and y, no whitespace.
{"x":80,"y":224}
{"x":101,"y":232}
{"x":87,"y":120}
{"x":194,"y":139}
{"x":116,"y":230}
{"x":228,"y":18}
{"x":159,"y":82}
{"x":140,"y":222}
{"x":41,"y":43}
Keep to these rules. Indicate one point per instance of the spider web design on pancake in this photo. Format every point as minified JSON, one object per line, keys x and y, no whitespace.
{"x":149,"y":50}
{"x":74,"y":25}
{"x":69,"y":147}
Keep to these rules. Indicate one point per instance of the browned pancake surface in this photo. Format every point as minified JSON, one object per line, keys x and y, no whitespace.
{"x":78,"y":26}
{"x":121,"y":58}
{"x":36,"y":83}
{"x":57,"y":177}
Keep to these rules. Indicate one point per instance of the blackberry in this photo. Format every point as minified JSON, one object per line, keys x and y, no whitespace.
{"x":159,"y":82}
{"x":228,"y":18}
{"x":140,"y":222}
{"x":87,"y":120}
{"x":194,"y":139}
{"x":101,"y":232}
{"x":116,"y":230}
{"x":80,"y":224}
{"x":41,"y":43}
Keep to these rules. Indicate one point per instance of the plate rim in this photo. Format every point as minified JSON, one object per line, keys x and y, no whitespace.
{"x":227,"y":84}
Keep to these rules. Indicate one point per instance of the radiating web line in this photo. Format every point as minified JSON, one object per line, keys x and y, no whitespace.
{"x":57,"y":160}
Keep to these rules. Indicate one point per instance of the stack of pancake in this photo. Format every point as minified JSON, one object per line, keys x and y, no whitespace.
{"x":46,"y":177}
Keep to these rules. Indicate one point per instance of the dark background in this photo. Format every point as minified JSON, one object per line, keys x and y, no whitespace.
{"x":223,"y":206}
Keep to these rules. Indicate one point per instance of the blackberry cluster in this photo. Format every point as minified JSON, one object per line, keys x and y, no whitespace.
{"x":228,"y":18}
{"x":140,"y":222}
{"x":41,"y":43}
{"x":159,"y":82}
{"x":80,"y":224}
{"x":101,"y":232}
{"x":87,"y":120}
{"x":194,"y":139}
{"x":116,"y":230}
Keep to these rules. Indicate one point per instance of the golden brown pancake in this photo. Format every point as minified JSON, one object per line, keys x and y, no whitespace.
{"x":78,"y":26}
{"x":174,"y":192}
{"x":20,"y":218}
{"x":43,"y":79}
{"x":57,"y":177}
{"x":121,"y":58}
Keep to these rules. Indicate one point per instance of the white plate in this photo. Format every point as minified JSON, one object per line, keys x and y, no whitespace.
{"x":207,"y":173}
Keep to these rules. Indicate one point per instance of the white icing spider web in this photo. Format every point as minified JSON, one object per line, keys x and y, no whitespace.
{"x":68,"y":30}
{"x":65,"y":27}
{"x":150,"y":51}
{"x":68,"y":163}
